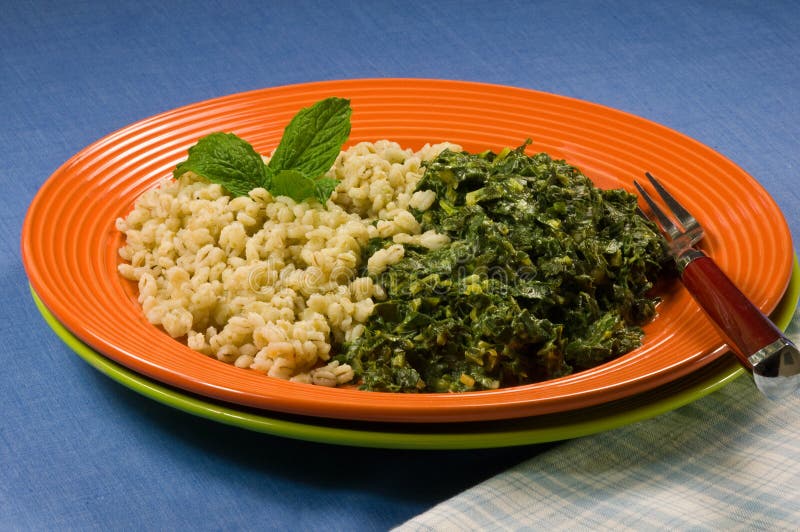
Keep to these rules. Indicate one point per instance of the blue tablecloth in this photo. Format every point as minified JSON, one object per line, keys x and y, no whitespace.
{"x":78,"y":451}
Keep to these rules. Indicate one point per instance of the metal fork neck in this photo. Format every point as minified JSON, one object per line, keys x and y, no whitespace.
{"x":687,"y":257}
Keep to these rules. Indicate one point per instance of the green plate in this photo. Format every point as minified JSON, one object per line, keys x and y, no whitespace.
{"x":475,"y":435}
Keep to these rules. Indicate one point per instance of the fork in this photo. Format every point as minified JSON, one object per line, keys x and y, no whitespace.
{"x":758,"y":344}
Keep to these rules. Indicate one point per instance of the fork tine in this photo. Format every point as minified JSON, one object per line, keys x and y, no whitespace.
{"x":663,"y":220}
{"x":687,"y":220}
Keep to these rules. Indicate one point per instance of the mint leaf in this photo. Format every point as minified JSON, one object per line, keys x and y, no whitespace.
{"x":312,"y":140}
{"x":324,"y":187}
{"x":309,"y":147}
{"x":297,"y":186}
{"x":227,"y":160}
{"x":293,"y":184}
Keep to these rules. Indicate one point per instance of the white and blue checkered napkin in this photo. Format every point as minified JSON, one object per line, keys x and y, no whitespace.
{"x":729,"y":461}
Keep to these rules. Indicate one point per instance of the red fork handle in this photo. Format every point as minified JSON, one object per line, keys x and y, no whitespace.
{"x":746,"y":328}
{"x":760,"y":346}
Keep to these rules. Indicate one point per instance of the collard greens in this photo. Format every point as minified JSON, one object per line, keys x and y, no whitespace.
{"x":545,"y":275}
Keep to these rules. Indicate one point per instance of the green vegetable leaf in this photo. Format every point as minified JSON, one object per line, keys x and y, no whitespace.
{"x":292,"y":183}
{"x":227,"y":160}
{"x":309,"y":147}
{"x":297,"y":186}
{"x":324,"y":187}
{"x":312,"y":140}
{"x":544,"y":275}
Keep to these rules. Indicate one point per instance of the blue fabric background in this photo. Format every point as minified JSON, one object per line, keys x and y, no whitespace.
{"x":79,"y":451}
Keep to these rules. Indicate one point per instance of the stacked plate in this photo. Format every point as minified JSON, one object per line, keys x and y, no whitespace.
{"x":70,"y":250}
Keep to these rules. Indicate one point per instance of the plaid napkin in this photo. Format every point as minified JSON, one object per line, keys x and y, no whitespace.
{"x":730,"y":461}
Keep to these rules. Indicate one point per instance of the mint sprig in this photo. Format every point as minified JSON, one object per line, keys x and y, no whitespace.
{"x":312,"y":140}
{"x":307,"y":150}
{"x":227,"y":160}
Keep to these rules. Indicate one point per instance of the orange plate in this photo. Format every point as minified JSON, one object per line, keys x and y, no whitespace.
{"x":70,"y":243}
